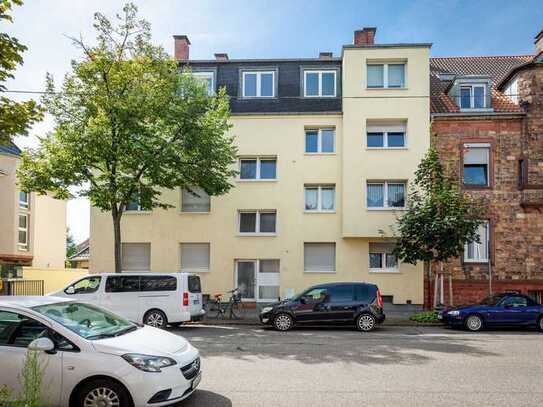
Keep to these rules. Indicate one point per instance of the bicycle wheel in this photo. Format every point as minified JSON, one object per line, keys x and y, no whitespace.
{"x":236,"y":310}
{"x":214,"y":310}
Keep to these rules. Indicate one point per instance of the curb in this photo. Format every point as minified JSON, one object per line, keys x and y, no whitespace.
{"x":258,"y":324}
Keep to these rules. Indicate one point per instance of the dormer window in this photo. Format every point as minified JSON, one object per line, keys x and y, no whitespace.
{"x":473,"y":96}
{"x":207,"y":78}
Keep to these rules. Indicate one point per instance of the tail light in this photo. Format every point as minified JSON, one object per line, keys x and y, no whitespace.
{"x":185,"y":298}
{"x":379,"y":298}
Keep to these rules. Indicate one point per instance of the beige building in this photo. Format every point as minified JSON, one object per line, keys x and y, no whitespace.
{"x":327,"y":147}
{"x":32,"y":227}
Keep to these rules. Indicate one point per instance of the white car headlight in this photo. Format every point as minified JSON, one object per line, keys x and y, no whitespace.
{"x":148,"y":363}
{"x":454,"y":313}
{"x":266,"y":309}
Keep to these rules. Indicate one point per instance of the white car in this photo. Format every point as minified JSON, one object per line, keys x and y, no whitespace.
{"x":154,"y":299}
{"x":92,"y":357}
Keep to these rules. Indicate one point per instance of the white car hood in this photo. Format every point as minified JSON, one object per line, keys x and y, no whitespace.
{"x":146,"y":340}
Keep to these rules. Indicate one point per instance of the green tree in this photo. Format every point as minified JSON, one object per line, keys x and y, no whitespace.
{"x":15,"y":117}
{"x":71,"y":247}
{"x":129,"y":125}
{"x":439,"y":218}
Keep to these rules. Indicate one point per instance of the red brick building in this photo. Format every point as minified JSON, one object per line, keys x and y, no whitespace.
{"x":487,"y":125}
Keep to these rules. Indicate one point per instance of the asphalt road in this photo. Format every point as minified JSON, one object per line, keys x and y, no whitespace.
{"x":394,"y":366}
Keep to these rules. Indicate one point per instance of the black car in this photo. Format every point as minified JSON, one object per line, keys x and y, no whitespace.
{"x":332,"y":303}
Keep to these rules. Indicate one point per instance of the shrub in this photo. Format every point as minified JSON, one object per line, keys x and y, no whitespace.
{"x":427,"y":316}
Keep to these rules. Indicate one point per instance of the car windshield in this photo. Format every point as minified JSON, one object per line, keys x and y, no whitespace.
{"x":86,"y":320}
{"x":492,"y":300}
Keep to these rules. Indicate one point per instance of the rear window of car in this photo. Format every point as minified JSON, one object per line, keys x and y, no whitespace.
{"x":158,"y":283}
{"x":194,"y":284}
{"x":122,"y":284}
{"x":365,"y":292}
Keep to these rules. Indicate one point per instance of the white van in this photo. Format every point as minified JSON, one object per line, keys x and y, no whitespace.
{"x":151,"y":298}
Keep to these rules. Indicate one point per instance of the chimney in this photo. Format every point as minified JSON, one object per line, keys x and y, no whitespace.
{"x":221,"y":56}
{"x":325,"y":55}
{"x":365,"y":36}
{"x":181,"y":47}
{"x":539,"y":43}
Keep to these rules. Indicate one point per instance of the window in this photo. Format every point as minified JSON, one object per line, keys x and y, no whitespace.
{"x":158,"y":283}
{"x":194,"y":284}
{"x":478,"y":252}
{"x":320,"y":83}
{"x":87,"y":285}
{"x":320,"y":257}
{"x":257,"y":222}
{"x":23,"y":232}
{"x":19,"y":330}
{"x":23,"y":199}
{"x":320,"y":198}
{"x":385,"y":135}
{"x":515,"y":302}
{"x":195,"y":257}
{"x":473,"y":96}
{"x":386,"y":75}
{"x":135,"y":204}
{"x":365,"y":292}
{"x":522,"y":173}
{"x":136,"y":256}
{"x":195,"y":199}
{"x":476,"y":164}
{"x":262,"y":168}
{"x":268,"y":279}
{"x":260,"y":84}
{"x":384,"y":195}
{"x":316,"y":295}
{"x":382,"y":258}
{"x":122,"y":284}
{"x":320,"y":141}
{"x":340,"y":293}
{"x":208,"y":79}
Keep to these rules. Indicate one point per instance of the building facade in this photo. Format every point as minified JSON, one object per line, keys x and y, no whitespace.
{"x":32,"y":227}
{"x":326,"y":148}
{"x":487,"y":124}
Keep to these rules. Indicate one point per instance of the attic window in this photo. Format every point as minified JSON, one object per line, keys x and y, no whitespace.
{"x":473,"y":96}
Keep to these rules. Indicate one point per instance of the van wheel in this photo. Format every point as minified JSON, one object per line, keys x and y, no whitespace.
{"x":365,"y":322}
{"x":283,"y":322}
{"x":155,"y":318}
{"x":102,"y":392}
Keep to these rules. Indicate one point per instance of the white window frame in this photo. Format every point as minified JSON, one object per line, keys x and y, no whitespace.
{"x":257,"y":175}
{"x":258,"y":83}
{"x":486,"y":146}
{"x":385,"y":75}
{"x":257,"y":278}
{"x":384,"y":269}
{"x":207,"y":75}
{"x":382,"y":128}
{"x":319,"y":188}
{"x":471,"y":87}
{"x":385,"y":195}
{"x":21,"y":245}
{"x":257,"y":224}
{"x":319,"y":131}
{"x":24,"y":204}
{"x":484,"y":259}
{"x":320,"y":72}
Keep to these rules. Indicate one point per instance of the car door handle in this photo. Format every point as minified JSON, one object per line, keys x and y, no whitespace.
{"x":346,"y":307}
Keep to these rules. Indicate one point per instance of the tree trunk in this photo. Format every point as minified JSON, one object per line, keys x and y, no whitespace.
{"x":117,"y":239}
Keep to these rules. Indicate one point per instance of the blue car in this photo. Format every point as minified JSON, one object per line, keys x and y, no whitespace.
{"x":507,"y":309}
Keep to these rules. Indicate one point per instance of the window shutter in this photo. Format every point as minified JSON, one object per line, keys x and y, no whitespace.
{"x":195,"y":201}
{"x":320,"y":257}
{"x":136,"y":256}
{"x":195,"y":257}
{"x":382,"y":247}
{"x":391,"y":126}
{"x":476,"y":155}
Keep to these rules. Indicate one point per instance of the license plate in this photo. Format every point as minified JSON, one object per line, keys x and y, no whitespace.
{"x":196,"y":381}
{"x":196,"y":302}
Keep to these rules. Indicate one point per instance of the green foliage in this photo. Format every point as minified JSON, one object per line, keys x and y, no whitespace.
{"x":439,"y":218}
{"x":15,"y":117}
{"x":129,"y":124}
{"x":71,"y":247}
{"x":31,"y":379}
{"x":427,"y":316}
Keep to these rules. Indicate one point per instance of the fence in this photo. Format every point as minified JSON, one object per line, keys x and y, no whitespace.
{"x":21,"y":287}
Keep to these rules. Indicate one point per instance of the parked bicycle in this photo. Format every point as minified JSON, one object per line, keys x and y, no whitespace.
{"x":233,"y":308}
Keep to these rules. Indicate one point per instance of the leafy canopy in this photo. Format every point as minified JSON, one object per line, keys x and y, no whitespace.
{"x":439,"y":218}
{"x":128,"y":124}
{"x":15,"y":117}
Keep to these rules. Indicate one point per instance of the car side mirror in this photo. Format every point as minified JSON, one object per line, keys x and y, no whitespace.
{"x":42,"y":345}
{"x":70,"y":290}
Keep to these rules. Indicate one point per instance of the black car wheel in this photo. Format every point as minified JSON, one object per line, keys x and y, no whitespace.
{"x":540,"y":323}
{"x":283,"y":322}
{"x":155,"y":318}
{"x":366,"y":323}
{"x":101,"y":392}
{"x":474,"y":323}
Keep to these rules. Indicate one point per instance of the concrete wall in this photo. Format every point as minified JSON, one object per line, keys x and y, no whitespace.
{"x":54,"y":279}
{"x":49,"y":232}
{"x":8,"y":205}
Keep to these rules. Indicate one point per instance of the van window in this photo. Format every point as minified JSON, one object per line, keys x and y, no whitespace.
{"x":158,"y":283}
{"x":122,"y":284}
{"x":340,"y":293}
{"x":364,"y":292}
{"x":194,"y":284}
{"x":87,"y":285}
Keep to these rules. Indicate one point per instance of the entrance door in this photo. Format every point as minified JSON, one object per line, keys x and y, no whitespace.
{"x":246,"y":278}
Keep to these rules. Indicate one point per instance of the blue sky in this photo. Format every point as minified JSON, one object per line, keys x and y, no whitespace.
{"x":268,"y":29}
